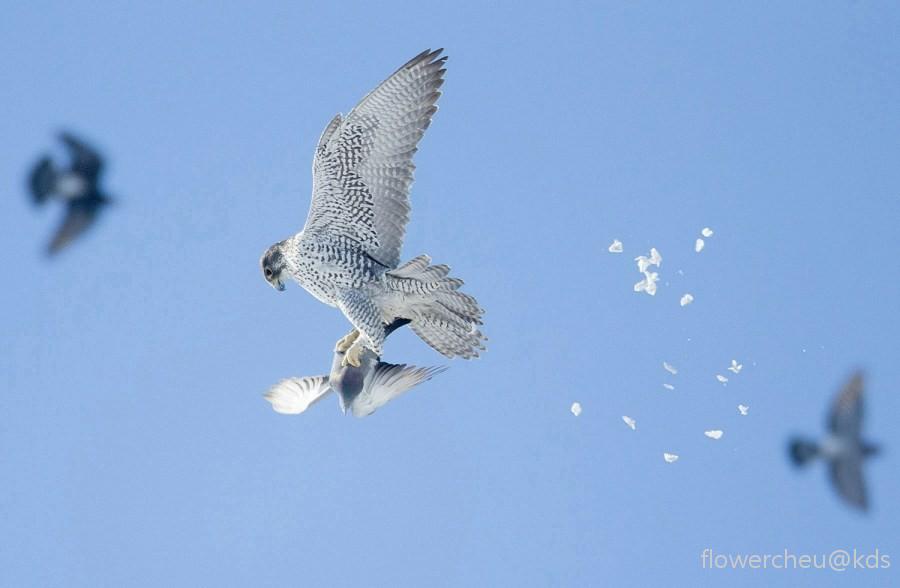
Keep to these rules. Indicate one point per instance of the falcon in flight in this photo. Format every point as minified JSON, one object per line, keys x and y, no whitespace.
{"x":843,"y":448}
{"x":348,"y":253}
{"x":78,"y":187}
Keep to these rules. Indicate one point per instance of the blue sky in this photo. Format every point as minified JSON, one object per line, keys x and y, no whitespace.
{"x":136,"y":448}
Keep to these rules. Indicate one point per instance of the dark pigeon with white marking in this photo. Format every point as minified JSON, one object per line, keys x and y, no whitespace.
{"x":843,"y":449}
{"x":77,"y":186}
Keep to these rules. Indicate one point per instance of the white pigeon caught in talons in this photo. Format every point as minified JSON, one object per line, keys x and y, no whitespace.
{"x":360,"y":390}
{"x":616,"y":247}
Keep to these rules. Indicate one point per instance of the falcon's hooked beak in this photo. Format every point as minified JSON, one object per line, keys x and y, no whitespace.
{"x":272,"y":264}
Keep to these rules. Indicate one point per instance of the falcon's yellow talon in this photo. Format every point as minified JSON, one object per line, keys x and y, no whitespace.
{"x":345,"y":342}
{"x":352,"y":356}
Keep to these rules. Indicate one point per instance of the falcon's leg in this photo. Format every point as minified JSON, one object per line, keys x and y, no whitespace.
{"x":366,"y":318}
{"x":345,"y":342}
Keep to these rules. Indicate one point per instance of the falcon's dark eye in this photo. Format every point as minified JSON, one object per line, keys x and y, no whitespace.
{"x":268,"y":273}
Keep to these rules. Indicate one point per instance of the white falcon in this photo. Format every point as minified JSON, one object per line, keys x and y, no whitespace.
{"x":348,"y":253}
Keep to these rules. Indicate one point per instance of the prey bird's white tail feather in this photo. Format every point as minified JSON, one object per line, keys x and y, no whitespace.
{"x":445,"y":318}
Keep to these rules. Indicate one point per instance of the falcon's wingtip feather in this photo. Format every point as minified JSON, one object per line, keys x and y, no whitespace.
{"x":428,"y":56}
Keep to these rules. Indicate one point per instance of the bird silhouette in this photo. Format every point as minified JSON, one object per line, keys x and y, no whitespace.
{"x":77,"y":186}
{"x":843,"y":449}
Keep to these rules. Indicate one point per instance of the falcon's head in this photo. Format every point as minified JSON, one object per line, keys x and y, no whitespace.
{"x":272,"y":264}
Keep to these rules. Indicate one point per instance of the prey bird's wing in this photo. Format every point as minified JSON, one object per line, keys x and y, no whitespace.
{"x":847,"y":477}
{"x":363,"y":165}
{"x":86,"y":161}
{"x":295,"y":395}
{"x":388,"y":382}
{"x":845,"y":418}
{"x":79,"y":216}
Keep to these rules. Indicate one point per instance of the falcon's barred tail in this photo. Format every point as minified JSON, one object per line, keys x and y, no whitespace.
{"x":440,"y":314}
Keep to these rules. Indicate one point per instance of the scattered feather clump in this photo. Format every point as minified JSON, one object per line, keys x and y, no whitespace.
{"x":699,"y":244}
{"x":576,"y":408}
{"x":648,"y":284}
{"x":645,"y":262}
{"x":645,"y":265}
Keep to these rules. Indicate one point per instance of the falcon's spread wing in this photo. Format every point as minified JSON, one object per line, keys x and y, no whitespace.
{"x":295,"y":395}
{"x":846,"y":412}
{"x":363,"y":167}
{"x":85,"y":160}
{"x":388,"y":382}
{"x":847,"y":477}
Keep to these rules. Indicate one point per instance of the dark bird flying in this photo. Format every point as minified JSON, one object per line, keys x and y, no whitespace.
{"x":843,"y":449}
{"x":76,"y":186}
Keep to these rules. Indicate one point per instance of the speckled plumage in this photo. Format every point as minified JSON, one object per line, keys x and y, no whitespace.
{"x":347,"y":254}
